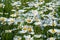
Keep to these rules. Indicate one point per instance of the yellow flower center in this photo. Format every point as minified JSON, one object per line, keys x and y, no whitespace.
{"x":29,"y":29}
{"x":28,"y":20}
{"x":2,"y":19}
{"x":12,"y":20}
{"x":53,"y":30}
{"x":24,"y":28}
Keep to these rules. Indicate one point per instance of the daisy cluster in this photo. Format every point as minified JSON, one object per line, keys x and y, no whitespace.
{"x":29,"y":19}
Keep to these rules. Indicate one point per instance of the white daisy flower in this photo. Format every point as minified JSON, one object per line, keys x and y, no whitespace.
{"x":3,"y":19}
{"x":37,"y":19}
{"x":17,"y":38}
{"x":31,"y":32}
{"x":49,"y":8}
{"x":28,"y":37}
{"x":13,"y":15}
{"x":13,"y":10}
{"x":36,"y":5}
{"x":51,"y":38}
{"x":21,"y":11}
{"x":24,"y":29}
{"x":41,"y":12}
{"x":28,"y":29}
{"x":45,"y":25}
{"x":16,"y":3}
{"x":31,"y":4}
{"x":10,"y":20}
{"x":37,"y":36}
{"x":54,"y":31}
{"x":29,"y":20}
{"x":37,"y":23}
{"x":8,"y":31}
{"x":35,"y":12}
{"x":53,"y":23}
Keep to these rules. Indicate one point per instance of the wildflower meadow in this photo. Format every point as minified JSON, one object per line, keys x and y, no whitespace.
{"x":29,"y":19}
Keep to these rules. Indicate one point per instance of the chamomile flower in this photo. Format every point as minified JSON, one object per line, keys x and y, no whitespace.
{"x":36,"y":5}
{"x":53,"y":23}
{"x":51,"y":38}
{"x":49,"y":8}
{"x":28,"y":29}
{"x":45,"y":25}
{"x":31,"y":4}
{"x":24,"y":29}
{"x":10,"y":20}
{"x":37,"y":36}
{"x":20,"y":11}
{"x":37,"y":23}
{"x":13,"y":10}
{"x":37,"y":19}
{"x":35,"y":12}
{"x":8,"y":31}
{"x":13,"y":15}
{"x":3,"y":19}
{"x":29,"y":20}
{"x":54,"y":31}
{"x":28,"y":37}
{"x":17,"y":38}
{"x":16,"y":3}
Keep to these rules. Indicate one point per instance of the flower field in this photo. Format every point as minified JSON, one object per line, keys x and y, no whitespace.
{"x":29,"y":19}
